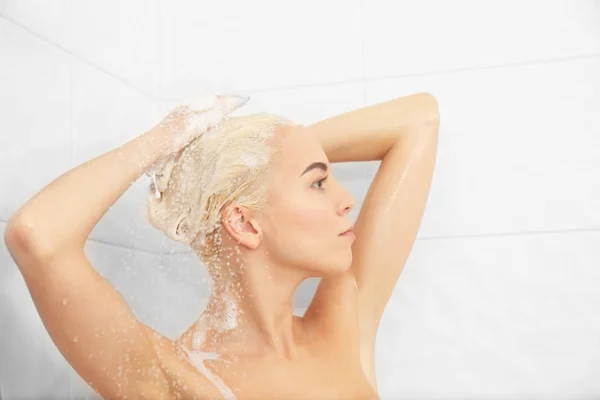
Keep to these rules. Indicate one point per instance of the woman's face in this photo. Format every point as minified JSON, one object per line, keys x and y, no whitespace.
{"x":307,"y":209}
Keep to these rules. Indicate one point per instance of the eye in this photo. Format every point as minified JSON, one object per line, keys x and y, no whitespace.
{"x":320,"y":182}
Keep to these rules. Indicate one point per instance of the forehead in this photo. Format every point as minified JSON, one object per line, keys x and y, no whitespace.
{"x":296,"y":147}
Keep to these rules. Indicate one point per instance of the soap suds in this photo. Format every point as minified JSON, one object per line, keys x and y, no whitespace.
{"x":197,"y":359}
{"x":201,"y":113}
{"x":229,"y":320}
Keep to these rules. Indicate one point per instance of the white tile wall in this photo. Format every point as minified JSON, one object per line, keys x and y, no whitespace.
{"x":512,"y":316}
{"x":35,"y":116}
{"x":107,"y":114}
{"x":519,"y":148}
{"x":50,"y":21}
{"x":236,"y":44}
{"x":415,"y":37}
{"x":499,"y":296}
{"x":120,"y":38}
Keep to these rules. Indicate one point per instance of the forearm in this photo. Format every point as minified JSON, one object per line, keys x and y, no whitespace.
{"x":63,"y":214}
{"x":368,"y":133}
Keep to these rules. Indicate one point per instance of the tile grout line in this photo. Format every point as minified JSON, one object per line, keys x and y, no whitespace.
{"x":452,"y":237}
{"x":71,"y":72}
{"x":163,"y":254}
{"x":507,"y":234}
{"x":362,"y":49}
{"x":363,"y":80}
{"x":364,"y":170}
{"x":83,"y":60}
{"x":72,"y":131}
{"x":157,"y":73}
{"x":465,"y":236}
{"x":123,"y":247}
{"x":551,"y":60}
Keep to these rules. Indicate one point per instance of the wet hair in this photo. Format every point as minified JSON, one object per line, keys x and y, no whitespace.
{"x":227,"y":163}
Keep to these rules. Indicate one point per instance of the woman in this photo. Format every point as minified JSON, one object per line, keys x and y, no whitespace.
{"x":254,"y":197}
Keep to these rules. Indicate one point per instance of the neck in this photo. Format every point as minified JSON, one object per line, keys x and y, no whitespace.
{"x":253,"y":308}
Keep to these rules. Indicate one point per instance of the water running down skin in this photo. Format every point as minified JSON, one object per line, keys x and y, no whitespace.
{"x":329,"y":353}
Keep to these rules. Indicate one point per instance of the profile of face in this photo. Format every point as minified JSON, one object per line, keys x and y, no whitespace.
{"x":307,"y":208}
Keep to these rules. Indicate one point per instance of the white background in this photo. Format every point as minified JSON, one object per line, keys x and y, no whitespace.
{"x":500,"y":298}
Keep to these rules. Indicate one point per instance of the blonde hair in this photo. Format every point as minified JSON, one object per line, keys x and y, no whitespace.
{"x":227,"y":163}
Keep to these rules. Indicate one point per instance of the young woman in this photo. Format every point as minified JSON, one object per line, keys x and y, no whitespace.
{"x":255,"y":198}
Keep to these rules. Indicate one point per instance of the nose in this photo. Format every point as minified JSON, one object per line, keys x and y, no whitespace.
{"x":345,"y":204}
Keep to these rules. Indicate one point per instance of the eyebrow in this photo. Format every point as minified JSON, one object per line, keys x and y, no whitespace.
{"x":314,"y":165}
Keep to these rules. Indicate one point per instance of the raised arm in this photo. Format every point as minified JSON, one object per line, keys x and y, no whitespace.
{"x":402,"y":133}
{"x":87,"y":319}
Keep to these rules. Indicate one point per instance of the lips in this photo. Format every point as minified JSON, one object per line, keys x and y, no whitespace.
{"x":346,"y":231}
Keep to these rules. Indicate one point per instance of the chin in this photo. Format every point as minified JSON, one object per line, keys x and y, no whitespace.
{"x":340,"y":265}
{"x":338,"y":262}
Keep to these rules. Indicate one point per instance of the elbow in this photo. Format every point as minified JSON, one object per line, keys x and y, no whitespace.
{"x":429,"y":107}
{"x":14,"y":236}
{"x":417,"y":110}
{"x":20,"y":240}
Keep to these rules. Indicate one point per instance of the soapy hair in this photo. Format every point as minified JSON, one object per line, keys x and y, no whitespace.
{"x":227,"y":163}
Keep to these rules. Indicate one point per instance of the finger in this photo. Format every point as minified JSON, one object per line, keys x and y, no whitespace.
{"x":200,"y":122}
{"x":232,"y":103}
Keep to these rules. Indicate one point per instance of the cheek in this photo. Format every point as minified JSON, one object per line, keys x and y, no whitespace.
{"x":312,"y":234}
{"x":300,"y":228}
{"x":311,"y":218}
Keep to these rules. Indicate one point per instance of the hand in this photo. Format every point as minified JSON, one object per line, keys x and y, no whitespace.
{"x":188,"y":121}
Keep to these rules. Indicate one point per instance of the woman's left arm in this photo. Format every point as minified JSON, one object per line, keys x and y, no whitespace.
{"x":403,"y":134}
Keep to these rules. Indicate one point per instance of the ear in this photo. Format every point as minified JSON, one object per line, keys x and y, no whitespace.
{"x":242,"y":227}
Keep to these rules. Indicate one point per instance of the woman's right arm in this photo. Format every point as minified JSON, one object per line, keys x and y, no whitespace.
{"x":88,"y":320}
{"x":93,"y":326}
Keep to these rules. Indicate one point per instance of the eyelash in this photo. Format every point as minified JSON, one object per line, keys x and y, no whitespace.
{"x":321,"y":181}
